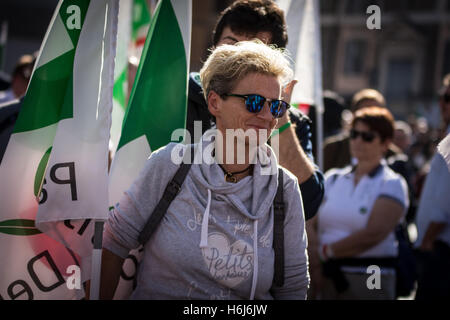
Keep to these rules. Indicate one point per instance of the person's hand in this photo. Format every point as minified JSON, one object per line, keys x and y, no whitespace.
{"x":287,"y":91}
{"x":286,"y":96}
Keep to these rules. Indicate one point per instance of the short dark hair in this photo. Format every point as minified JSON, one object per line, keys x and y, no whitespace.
{"x":251,"y":17}
{"x":378,"y":119}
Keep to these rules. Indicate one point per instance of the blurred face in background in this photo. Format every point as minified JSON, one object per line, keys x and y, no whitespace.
{"x":365,"y":144}
{"x":229,"y":37}
{"x":401,"y":139}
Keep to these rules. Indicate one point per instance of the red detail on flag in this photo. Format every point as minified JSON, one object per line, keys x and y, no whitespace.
{"x":303,"y":107}
{"x":39,"y":243}
{"x":140,"y":41}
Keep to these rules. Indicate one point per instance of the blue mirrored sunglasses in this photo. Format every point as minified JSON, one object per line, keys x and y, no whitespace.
{"x":255,"y":103}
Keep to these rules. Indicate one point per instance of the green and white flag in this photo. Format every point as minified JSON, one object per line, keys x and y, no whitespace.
{"x":158,"y":100}
{"x":120,"y":92}
{"x":141,"y":23}
{"x":303,"y":21}
{"x":57,"y":155}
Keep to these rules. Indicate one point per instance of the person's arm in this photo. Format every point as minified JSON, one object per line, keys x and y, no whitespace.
{"x":433,"y":230}
{"x":383,"y":219}
{"x":295,"y":154}
{"x":110,"y":274}
{"x":292,"y":156}
{"x":440,"y":213}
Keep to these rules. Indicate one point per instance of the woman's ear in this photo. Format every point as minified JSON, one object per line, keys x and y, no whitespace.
{"x":214,"y":103}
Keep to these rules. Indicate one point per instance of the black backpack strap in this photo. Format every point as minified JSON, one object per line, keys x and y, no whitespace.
{"x":278,"y":232}
{"x":171,"y":191}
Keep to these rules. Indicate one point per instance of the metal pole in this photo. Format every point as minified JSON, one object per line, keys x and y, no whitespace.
{"x":96,"y":260}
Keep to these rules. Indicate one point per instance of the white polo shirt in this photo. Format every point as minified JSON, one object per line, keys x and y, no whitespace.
{"x":346,"y":208}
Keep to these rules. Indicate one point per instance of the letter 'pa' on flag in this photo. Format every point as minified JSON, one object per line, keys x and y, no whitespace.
{"x":57,"y":155}
{"x":157,"y":105}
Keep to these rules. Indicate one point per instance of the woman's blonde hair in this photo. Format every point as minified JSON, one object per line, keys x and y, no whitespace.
{"x":228,"y":64}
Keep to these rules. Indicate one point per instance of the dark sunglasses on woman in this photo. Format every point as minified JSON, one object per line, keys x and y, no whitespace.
{"x":367,"y":136}
{"x":255,"y":103}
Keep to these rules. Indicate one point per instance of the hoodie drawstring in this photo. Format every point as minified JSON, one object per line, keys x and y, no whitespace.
{"x":204,"y":243}
{"x":255,"y":259}
{"x":204,"y":234}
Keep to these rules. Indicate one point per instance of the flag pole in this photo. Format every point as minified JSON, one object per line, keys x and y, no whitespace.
{"x":318,"y":85}
{"x":96,"y":261}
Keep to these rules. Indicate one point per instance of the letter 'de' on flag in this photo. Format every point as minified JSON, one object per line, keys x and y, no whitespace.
{"x":57,"y":156}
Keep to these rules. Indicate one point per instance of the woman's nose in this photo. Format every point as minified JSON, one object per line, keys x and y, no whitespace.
{"x":265,"y":112}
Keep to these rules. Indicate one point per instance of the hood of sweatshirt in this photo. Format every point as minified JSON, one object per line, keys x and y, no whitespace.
{"x":258,"y":190}
{"x":252,"y":196}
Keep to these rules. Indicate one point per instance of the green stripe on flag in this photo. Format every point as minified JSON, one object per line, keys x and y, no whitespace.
{"x":49,"y":96}
{"x":157,"y":103}
{"x":141,"y":17}
{"x":120,"y":86}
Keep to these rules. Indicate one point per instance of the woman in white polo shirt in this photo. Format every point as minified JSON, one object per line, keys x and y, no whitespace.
{"x":354,"y":227}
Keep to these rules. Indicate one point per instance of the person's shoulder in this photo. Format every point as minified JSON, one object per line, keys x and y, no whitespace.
{"x":289,"y":179}
{"x":195,"y":82}
{"x":391,"y":177}
{"x":195,"y":89}
{"x":165,"y":153}
{"x":334,"y":173}
{"x":10,"y":108}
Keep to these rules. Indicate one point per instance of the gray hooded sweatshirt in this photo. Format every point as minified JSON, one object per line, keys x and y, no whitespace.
{"x":215,"y":240}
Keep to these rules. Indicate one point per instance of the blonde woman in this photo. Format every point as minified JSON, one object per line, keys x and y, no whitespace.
{"x":216,"y":238}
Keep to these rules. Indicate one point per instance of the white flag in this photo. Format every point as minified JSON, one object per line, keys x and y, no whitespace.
{"x":57,"y":155}
{"x":303,"y":21}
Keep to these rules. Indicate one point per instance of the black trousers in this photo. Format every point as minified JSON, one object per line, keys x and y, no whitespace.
{"x":434,"y":273}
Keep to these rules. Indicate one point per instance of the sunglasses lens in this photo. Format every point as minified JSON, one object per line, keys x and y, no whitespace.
{"x":255,"y":103}
{"x":275,"y":107}
{"x":278,"y":108}
{"x":366,"y":136}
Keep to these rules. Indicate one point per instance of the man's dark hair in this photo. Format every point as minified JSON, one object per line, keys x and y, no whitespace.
{"x":252,"y":16}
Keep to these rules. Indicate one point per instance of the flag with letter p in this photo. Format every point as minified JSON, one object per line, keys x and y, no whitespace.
{"x":57,"y":156}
